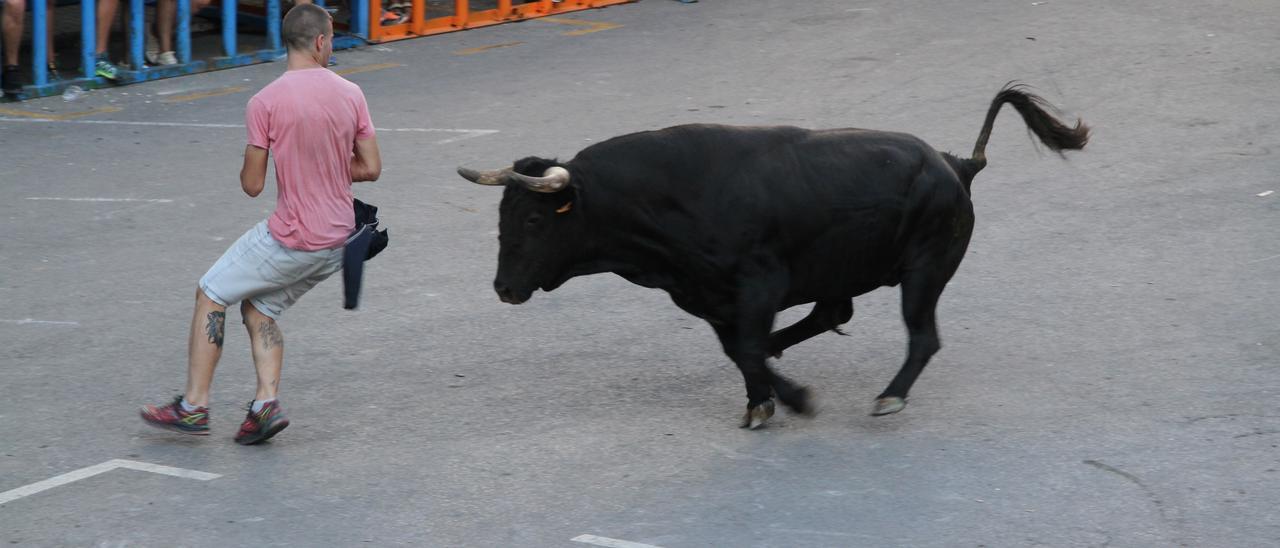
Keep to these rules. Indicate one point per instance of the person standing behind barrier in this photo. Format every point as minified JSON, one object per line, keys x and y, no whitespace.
{"x":15,"y":12}
{"x":166,"y":21}
{"x":317,"y":126}
{"x":103,"y":67}
{"x":161,"y":52}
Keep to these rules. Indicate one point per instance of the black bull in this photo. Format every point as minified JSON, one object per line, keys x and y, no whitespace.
{"x":738,"y":223}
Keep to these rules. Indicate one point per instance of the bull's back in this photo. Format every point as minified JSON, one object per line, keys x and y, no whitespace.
{"x":833,"y":205}
{"x":850,"y":202}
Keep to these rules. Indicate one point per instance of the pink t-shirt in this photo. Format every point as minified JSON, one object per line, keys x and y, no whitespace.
{"x":310,"y":119}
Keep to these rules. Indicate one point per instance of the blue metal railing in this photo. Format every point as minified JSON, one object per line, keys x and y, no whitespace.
{"x":229,"y":28}
{"x":135,"y":39}
{"x":88,"y":36}
{"x":184,"y":30}
{"x":39,"y":41}
{"x":136,"y":34}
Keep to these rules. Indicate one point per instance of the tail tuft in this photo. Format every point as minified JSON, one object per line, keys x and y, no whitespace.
{"x":1035,"y":111}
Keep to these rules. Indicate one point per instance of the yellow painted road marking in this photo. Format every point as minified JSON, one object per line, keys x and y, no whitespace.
{"x":473,"y":51}
{"x":204,"y":94}
{"x":589,"y":26}
{"x":57,"y":117}
{"x":366,"y":68}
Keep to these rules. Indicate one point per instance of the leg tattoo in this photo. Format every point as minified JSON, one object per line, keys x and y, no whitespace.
{"x":215,"y":327}
{"x":270,"y":335}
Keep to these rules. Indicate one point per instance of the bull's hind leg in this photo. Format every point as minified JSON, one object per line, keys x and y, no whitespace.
{"x":825,"y":316}
{"x":921,"y":288}
{"x":920,"y":292}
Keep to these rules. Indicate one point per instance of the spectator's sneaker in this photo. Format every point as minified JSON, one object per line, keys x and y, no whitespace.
{"x":53,"y":73}
{"x":173,"y":417}
{"x":152,"y":51}
{"x":166,"y":58}
{"x":259,"y":427}
{"x":12,"y":77}
{"x":106,"y":69}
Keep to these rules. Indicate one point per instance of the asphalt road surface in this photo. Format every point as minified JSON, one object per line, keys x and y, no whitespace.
{"x":1108,"y":378}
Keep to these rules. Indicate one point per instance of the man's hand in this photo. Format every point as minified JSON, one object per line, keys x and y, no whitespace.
{"x":366,"y":164}
{"x":254,"y":173}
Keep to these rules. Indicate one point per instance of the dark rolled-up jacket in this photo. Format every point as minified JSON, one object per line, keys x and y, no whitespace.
{"x":365,"y":243}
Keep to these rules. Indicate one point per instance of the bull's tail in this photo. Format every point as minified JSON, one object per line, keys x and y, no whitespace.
{"x":1035,"y":112}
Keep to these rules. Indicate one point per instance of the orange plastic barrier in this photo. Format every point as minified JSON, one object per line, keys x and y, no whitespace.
{"x":424,"y":23}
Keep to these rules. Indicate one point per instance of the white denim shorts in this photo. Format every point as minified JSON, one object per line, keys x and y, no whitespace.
{"x":269,"y":275}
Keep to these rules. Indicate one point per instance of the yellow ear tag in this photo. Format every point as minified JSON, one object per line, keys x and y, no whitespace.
{"x":565,"y":208}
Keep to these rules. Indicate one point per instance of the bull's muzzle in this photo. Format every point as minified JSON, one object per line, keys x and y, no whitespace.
{"x":508,"y":295}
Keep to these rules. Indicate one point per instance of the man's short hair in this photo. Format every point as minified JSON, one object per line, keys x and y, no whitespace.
{"x":303,"y":24}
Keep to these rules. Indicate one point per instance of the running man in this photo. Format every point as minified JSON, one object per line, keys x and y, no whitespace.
{"x":317,"y":127}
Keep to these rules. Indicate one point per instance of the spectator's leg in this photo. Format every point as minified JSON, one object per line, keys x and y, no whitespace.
{"x":166,"y":21}
{"x":106,"y":16}
{"x":14,"y":14}
{"x":50,"y":58}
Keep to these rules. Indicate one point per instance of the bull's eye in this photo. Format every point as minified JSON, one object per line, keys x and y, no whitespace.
{"x":533,"y":221}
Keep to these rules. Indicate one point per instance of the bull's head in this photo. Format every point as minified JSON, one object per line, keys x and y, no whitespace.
{"x":536,"y":226}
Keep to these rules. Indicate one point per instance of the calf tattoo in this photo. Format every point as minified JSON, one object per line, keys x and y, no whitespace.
{"x":215,"y":327}
{"x":270,"y":335}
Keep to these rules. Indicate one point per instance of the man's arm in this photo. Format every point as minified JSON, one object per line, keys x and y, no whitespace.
{"x":366,"y":164}
{"x":253,"y":176}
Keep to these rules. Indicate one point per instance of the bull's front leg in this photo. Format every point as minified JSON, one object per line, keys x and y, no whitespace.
{"x":746,"y":342}
{"x":751,"y":363}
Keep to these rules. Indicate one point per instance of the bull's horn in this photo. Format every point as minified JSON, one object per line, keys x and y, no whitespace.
{"x":496,"y":177}
{"x":554,"y":179}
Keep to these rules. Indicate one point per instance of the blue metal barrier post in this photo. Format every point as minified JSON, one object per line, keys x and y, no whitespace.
{"x":88,"y":36}
{"x":229,"y":28}
{"x":360,"y":18}
{"x":136,"y":17}
{"x":273,"y":24}
{"x":39,"y":42}
{"x":184,"y":31}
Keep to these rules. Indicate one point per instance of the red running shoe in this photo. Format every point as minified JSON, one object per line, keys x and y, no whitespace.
{"x":174,"y":417}
{"x":259,"y":427}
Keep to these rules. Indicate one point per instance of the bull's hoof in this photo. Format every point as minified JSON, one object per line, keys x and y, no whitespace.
{"x":888,"y":405}
{"x":756,"y":416}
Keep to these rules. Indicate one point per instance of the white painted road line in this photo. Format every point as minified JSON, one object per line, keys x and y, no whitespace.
{"x":90,"y":471}
{"x":151,"y":200}
{"x":29,"y":321}
{"x":166,"y":470}
{"x":464,"y":133}
{"x":28,"y":490}
{"x":122,"y":123}
{"x":610,"y":542}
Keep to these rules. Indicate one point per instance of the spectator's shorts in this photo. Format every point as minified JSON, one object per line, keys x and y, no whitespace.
{"x":267,"y":274}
